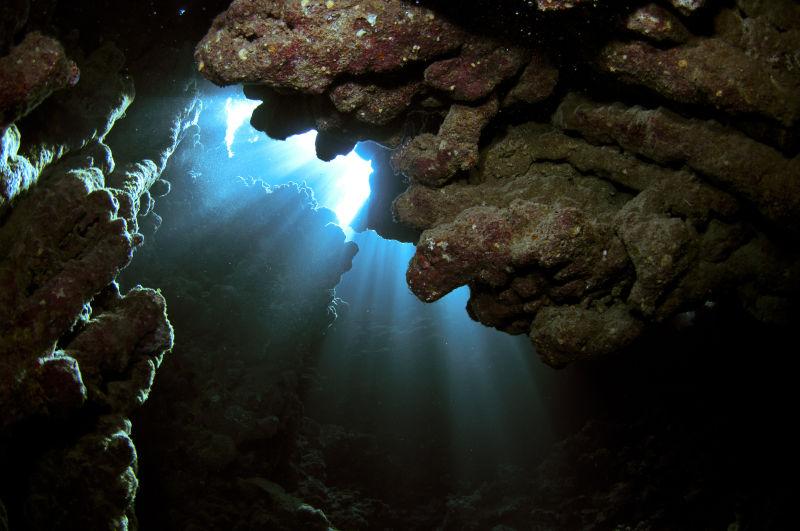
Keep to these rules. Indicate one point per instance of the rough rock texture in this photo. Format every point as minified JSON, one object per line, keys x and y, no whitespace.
{"x":757,"y":173}
{"x":708,"y":72}
{"x":537,"y":82}
{"x":656,"y":23}
{"x":602,"y":170}
{"x":435,"y":159}
{"x":477,"y":71}
{"x":306,"y":45}
{"x":32,"y":71}
{"x":579,"y":221}
{"x":77,"y":357}
{"x":88,"y":485}
{"x":67,"y":122}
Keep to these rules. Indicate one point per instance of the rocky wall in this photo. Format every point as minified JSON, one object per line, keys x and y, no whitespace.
{"x":590,"y":171}
{"x":77,"y":355}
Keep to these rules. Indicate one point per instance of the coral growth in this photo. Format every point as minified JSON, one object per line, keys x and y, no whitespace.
{"x":578,"y":220}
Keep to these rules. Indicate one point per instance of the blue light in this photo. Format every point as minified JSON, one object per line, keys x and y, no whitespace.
{"x":182,"y":11}
{"x":342,"y":185}
{"x":347,"y":175}
{"x":237,"y":112}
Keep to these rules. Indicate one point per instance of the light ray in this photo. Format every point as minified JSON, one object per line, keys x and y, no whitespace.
{"x":237,"y":111}
{"x":342,"y":185}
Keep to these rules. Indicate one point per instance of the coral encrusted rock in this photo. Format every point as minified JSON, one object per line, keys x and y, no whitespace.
{"x":77,"y":356}
{"x":590,"y":172}
{"x":32,"y":71}
{"x":305,"y":45}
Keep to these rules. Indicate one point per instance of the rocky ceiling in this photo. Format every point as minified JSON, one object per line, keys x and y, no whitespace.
{"x":591,"y":170}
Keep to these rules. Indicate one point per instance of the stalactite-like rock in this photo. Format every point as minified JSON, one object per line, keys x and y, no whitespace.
{"x":32,"y":71}
{"x":435,"y":159}
{"x":71,"y":346}
{"x":90,"y":484}
{"x":612,"y":217}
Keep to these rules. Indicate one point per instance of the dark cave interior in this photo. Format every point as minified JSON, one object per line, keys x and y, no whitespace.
{"x":568,"y":302}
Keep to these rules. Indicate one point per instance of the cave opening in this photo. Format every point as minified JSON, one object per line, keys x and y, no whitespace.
{"x":219,"y":220}
{"x":437,"y":404}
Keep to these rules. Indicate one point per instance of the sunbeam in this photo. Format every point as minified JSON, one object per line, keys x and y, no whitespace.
{"x":341,"y":185}
{"x":237,"y":112}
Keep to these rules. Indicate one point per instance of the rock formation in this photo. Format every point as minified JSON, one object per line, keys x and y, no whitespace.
{"x":588,"y":183}
{"x":77,"y":356}
{"x":594,"y":171}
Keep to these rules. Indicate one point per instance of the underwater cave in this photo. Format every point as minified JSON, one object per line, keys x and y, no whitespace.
{"x":398,"y":265}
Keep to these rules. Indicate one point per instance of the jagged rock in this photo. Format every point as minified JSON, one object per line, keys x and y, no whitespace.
{"x":119,"y":350}
{"x":61,"y":245}
{"x":537,"y":82}
{"x":435,"y":159}
{"x":754,"y":171}
{"x":539,"y":227}
{"x":73,"y":119}
{"x":305,"y":45}
{"x":424,"y":207}
{"x":33,"y":70}
{"x":654,"y":22}
{"x":374,"y":104}
{"x":65,"y":123}
{"x":488,"y":245}
{"x":476,"y":72}
{"x":90,"y":484}
{"x":707,"y":72}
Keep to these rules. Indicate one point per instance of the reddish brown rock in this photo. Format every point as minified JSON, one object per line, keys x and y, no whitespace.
{"x":305,"y":45}
{"x":539,"y":227}
{"x":537,"y":82}
{"x":477,"y":71}
{"x":707,"y":72}
{"x":423,"y":207}
{"x":32,"y":71}
{"x":648,"y":215}
{"x":435,"y":159}
{"x":658,"y":24}
{"x":488,"y":244}
{"x":374,"y":104}
{"x":753,"y":171}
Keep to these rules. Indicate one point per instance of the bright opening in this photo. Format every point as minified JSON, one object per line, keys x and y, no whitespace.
{"x":341,"y":185}
{"x":237,"y":112}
